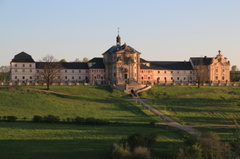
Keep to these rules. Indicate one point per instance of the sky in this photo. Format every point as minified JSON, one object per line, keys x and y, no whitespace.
{"x":162,"y":30}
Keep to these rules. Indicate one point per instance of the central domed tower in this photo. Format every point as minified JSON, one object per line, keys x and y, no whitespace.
{"x":122,"y":64}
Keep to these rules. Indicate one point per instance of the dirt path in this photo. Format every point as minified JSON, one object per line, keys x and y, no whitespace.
{"x":188,"y":128}
{"x":170,"y":121}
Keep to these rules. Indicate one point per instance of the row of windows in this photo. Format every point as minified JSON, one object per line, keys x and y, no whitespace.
{"x":150,"y":71}
{"x":23,"y":77}
{"x":216,"y":78}
{"x":98,"y":70}
{"x":23,"y":65}
{"x":97,"y":77}
{"x":23,"y":70}
{"x":223,"y":70}
{"x":165,"y":78}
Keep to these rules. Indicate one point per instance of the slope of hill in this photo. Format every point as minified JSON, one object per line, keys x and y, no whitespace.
{"x":100,"y":102}
{"x":193,"y":106}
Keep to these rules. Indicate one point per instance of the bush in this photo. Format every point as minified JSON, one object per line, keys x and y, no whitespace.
{"x":51,"y":118}
{"x":11,"y":118}
{"x":37,"y":119}
{"x":79,"y":120}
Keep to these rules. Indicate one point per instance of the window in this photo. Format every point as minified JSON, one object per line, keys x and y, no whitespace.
{"x":30,"y":70}
{"x":184,"y":78}
{"x":72,"y":77}
{"x":72,"y":71}
{"x":171,"y":78}
{"x":15,"y":77}
{"x":30,"y":77}
{"x":15,"y":65}
{"x":65,"y":71}
{"x":142,"y":77}
{"x":216,"y":70}
{"x":223,"y":70}
{"x":177,"y":72}
{"x":65,"y":77}
{"x":23,"y":77}
{"x":190,"y":72}
{"x":223,"y":77}
{"x":23,"y":70}
{"x":15,"y":70}
{"x":171,"y":71}
{"x":79,"y":77}
{"x":37,"y":71}
{"x":148,"y":77}
{"x":216,"y":77}
{"x":79,"y":71}
{"x":30,"y":65}
{"x":158,"y":71}
{"x":178,"y":78}
{"x":165,"y":72}
{"x":23,"y":65}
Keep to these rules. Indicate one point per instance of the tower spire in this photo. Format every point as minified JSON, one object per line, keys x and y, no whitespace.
{"x":118,"y":39}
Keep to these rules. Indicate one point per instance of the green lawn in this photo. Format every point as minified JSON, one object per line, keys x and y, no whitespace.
{"x":100,"y":102}
{"x":59,"y":141}
{"x":193,"y":106}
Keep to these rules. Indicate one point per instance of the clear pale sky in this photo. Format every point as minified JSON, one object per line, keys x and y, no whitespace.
{"x":162,"y":30}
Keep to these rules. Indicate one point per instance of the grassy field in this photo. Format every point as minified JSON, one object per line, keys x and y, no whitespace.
{"x":51,"y":141}
{"x":100,"y":102}
{"x":193,"y":106}
{"x":186,"y":104}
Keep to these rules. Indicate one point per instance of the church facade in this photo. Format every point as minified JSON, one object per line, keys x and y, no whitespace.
{"x":122,"y":64}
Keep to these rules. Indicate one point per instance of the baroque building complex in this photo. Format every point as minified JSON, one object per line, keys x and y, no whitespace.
{"x":122,"y":65}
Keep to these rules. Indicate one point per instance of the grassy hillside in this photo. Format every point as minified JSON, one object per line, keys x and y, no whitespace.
{"x":193,"y":106}
{"x":59,"y":141}
{"x":99,"y":102}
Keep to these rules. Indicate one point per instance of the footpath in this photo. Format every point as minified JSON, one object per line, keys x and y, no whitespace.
{"x":171,"y":122}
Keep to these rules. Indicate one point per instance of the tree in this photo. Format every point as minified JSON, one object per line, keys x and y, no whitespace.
{"x":85,"y":59}
{"x":200,"y":73}
{"x":62,"y":61}
{"x":208,"y":146}
{"x":234,"y":74}
{"x":77,"y":60}
{"x":4,"y":73}
{"x":234,"y":68}
{"x":49,"y":70}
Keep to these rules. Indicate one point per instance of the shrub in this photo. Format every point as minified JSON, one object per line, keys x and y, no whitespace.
{"x":11,"y":118}
{"x":51,"y":118}
{"x":37,"y":119}
{"x":141,"y":153}
{"x":79,"y":120}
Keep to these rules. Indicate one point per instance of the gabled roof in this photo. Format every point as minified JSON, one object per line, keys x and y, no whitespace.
{"x":65,"y":65}
{"x":98,"y":63}
{"x":168,"y":65}
{"x":22,"y":57}
{"x":201,"y":60}
{"x":143,"y":60}
{"x":96,"y":59}
{"x":124,"y":47}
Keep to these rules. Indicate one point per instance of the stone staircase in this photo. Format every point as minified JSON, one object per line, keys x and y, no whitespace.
{"x":129,"y":88}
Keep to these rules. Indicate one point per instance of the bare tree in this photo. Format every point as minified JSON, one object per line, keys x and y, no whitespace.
{"x":201,"y":74}
{"x":49,"y":70}
{"x":4,"y":73}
